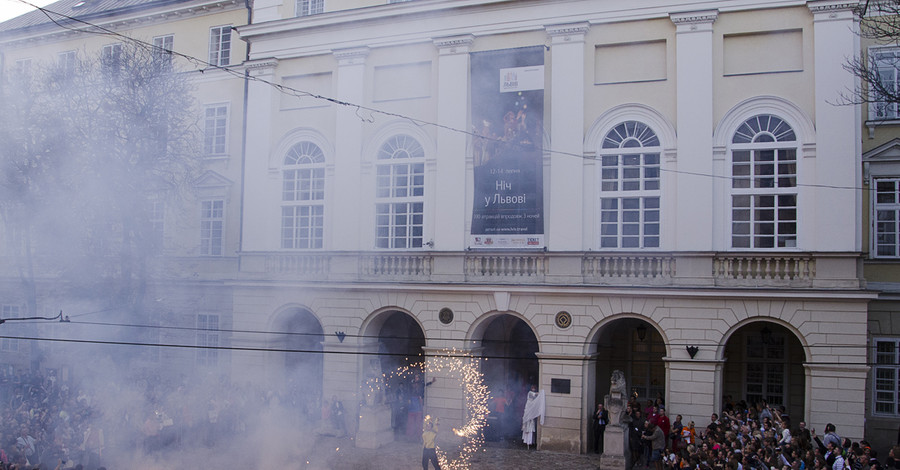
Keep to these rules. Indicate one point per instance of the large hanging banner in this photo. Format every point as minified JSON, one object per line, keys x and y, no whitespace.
{"x":508,"y":120}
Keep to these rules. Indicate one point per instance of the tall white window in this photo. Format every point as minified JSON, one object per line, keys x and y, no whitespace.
{"x":212,"y":225}
{"x":6,"y":312}
{"x":885,"y":62}
{"x":163,"y":47}
{"x":22,"y":69}
{"x":310,"y":7}
{"x":629,"y":187}
{"x":886,"y":210}
{"x":111,"y":55}
{"x":156,"y":219}
{"x":207,"y":340}
{"x":886,"y":376}
{"x":220,"y":45}
{"x":215,"y":130}
{"x":764,"y":374}
{"x":303,"y":197}
{"x":66,"y":61}
{"x":764,"y":184}
{"x":399,"y":193}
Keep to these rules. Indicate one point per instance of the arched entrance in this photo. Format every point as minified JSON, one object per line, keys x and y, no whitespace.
{"x":510,"y":367}
{"x":300,"y":345}
{"x":400,"y":345}
{"x":764,"y":363}
{"x":636,"y":348}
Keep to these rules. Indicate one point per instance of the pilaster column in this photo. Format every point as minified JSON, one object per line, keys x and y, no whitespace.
{"x":836,"y":219}
{"x":694,"y":386}
{"x":451,"y":189}
{"x":694,"y":100}
{"x":347,"y":232}
{"x":565,"y":422}
{"x":836,"y":393}
{"x":564,"y":211}
{"x":260,"y":230}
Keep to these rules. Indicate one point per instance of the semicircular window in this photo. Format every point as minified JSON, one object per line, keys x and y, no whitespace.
{"x":764,"y":184}
{"x":303,"y":197}
{"x":630,"y":187}
{"x":400,"y":193}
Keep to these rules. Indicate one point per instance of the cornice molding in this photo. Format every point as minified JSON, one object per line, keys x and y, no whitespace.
{"x":831,"y":6}
{"x":694,"y":17}
{"x":568,"y":30}
{"x":350,"y":56}
{"x":453,"y":42}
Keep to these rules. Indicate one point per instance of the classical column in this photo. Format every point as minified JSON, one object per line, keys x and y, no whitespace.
{"x":347,"y":233}
{"x":694,"y":116}
{"x":836,"y":393}
{"x":451,"y":190}
{"x":262,"y":103}
{"x":564,"y":211}
{"x":836,"y":220}
{"x":566,"y":421}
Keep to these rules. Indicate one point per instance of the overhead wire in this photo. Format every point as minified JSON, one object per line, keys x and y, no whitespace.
{"x":287,"y":90}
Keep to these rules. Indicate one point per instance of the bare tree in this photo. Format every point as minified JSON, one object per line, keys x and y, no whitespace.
{"x":87,"y":151}
{"x":879,"y":23}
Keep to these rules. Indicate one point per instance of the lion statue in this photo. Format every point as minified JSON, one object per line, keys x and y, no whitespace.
{"x":617,"y":383}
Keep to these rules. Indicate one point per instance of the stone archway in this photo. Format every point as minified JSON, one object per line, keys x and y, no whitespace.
{"x":764,"y":361}
{"x":299,"y":343}
{"x":510,"y":366}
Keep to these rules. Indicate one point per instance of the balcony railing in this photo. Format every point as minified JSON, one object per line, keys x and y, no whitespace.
{"x":702,"y":270}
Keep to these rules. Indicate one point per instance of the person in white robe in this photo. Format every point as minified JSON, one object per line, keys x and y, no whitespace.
{"x":534,"y":410}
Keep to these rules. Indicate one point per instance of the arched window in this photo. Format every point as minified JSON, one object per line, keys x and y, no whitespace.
{"x":629,"y":187}
{"x":764,"y":184}
{"x":399,"y":193}
{"x":303,"y":197}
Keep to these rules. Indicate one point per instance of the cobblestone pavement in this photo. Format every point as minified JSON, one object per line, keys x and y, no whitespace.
{"x":340,"y":454}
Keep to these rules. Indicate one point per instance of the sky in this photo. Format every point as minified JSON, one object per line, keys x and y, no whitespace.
{"x":13,"y":8}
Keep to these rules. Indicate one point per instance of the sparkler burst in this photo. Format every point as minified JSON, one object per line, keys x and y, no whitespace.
{"x":463,"y":366}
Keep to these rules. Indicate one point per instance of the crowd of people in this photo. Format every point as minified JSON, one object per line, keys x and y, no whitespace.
{"x":47,"y":423}
{"x":746,"y":436}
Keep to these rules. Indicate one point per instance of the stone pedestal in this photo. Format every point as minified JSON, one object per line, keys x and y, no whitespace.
{"x":374,"y":427}
{"x":613,"y":449}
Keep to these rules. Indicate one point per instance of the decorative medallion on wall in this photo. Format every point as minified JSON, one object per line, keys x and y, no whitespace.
{"x":445,"y":315}
{"x":563,"y":319}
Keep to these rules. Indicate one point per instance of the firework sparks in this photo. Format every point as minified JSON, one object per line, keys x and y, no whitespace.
{"x":462,"y":366}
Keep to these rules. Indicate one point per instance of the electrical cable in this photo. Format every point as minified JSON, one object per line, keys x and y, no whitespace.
{"x":290,"y":91}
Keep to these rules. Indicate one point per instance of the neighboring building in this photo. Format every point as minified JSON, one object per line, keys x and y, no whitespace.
{"x":881,"y":244}
{"x":669,"y":178}
{"x":200,"y":238}
{"x":566,"y":188}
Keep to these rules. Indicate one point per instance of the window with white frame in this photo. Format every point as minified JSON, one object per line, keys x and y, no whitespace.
{"x":66,"y":62}
{"x":764,"y":184}
{"x":212,"y":226}
{"x":220,"y":45}
{"x":399,"y":193}
{"x":215,"y":130}
{"x":156,"y":219}
{"x":23,"y":69}
{"x":207,"y":340}
{"x":629,"y":187}
{"x":886,"y":216}
{"x":111,"y":57}
{"x":885,"y":63}
{"x":303,"y":197}
{"x":764,"y":369}
{"x":310,"y":7}
{"x":886,"y":376}
{"x":6,"y":312}
{"x":163,"y":47}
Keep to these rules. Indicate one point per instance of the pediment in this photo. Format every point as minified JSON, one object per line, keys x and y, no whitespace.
{"x":211,"y":179}
{"x":887,"y":152}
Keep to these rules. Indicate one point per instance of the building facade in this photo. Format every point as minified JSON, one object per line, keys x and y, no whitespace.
{"x":698,"y":227}
{"x":562,"y":189}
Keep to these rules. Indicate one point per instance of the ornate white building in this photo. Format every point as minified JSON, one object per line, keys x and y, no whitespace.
{"x":697,"y":225}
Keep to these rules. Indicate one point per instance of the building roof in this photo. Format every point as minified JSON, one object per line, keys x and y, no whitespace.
{"x":80,"y":9}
